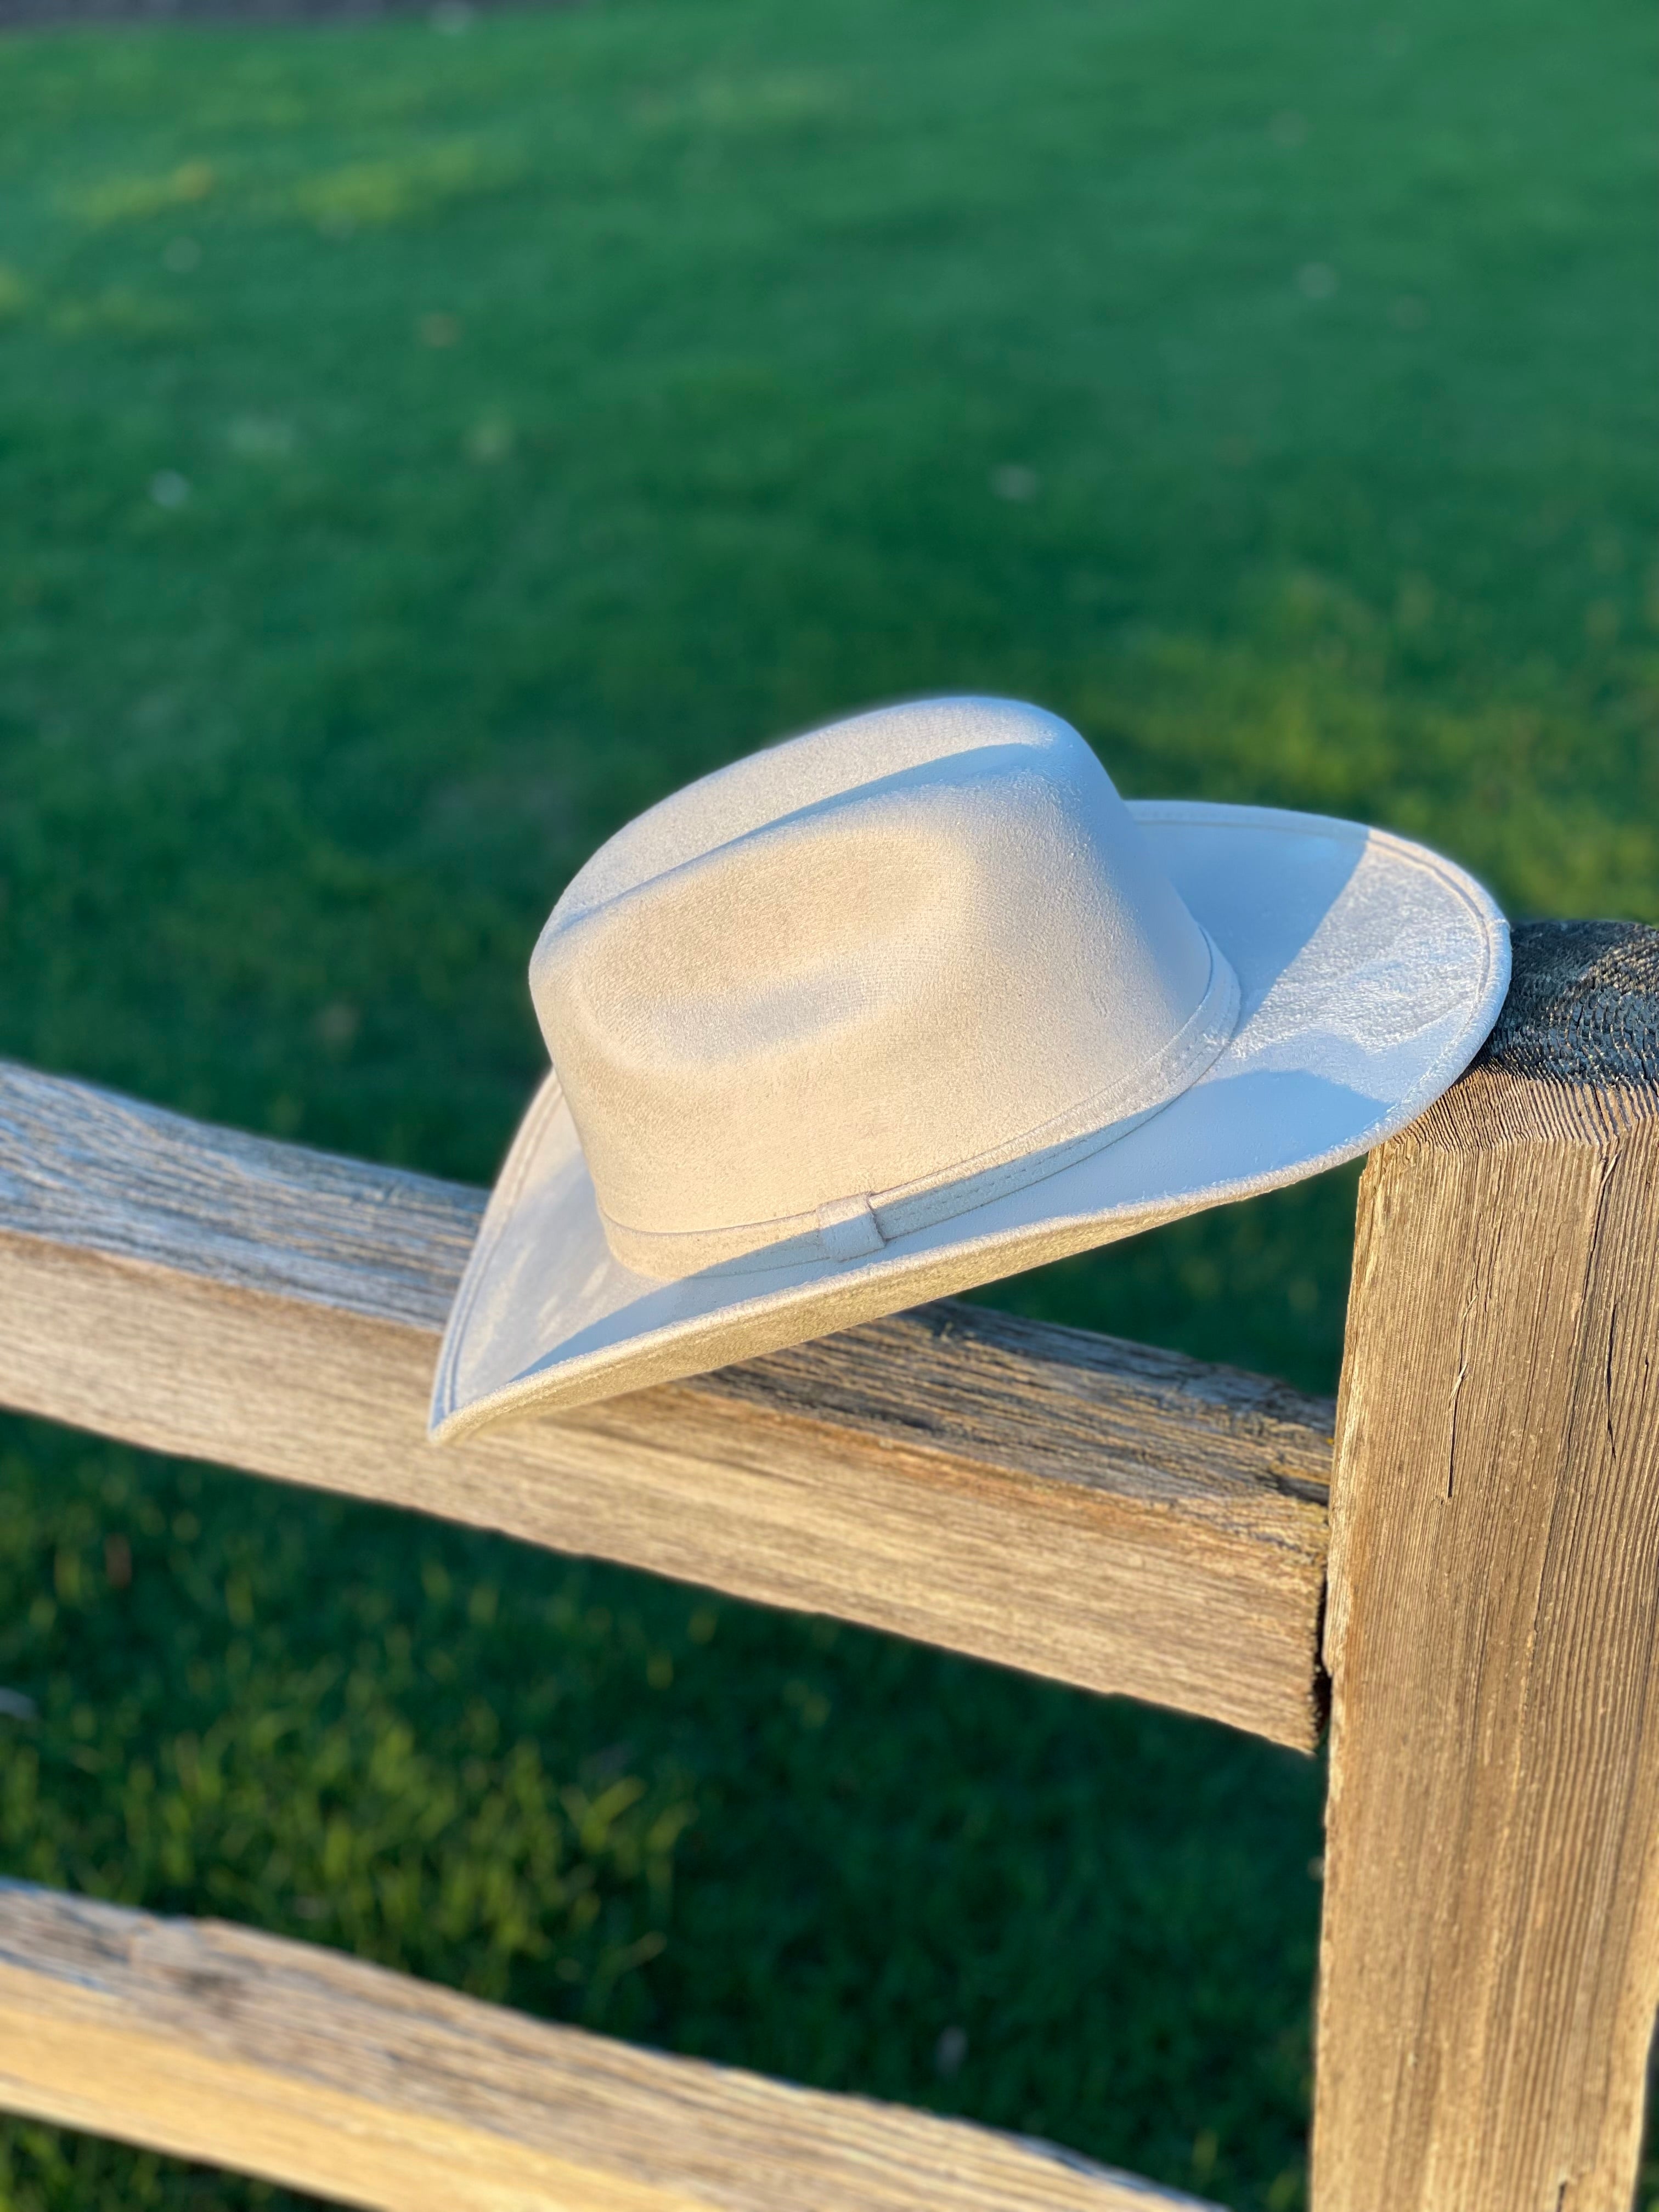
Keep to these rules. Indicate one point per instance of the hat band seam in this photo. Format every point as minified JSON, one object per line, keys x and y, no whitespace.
{"x":859,"y":1225}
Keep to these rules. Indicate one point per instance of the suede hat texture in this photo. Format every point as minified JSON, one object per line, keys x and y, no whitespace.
{"x":918,"y":1001}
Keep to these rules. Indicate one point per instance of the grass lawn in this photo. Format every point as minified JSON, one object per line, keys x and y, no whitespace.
{"x":423,"y":444}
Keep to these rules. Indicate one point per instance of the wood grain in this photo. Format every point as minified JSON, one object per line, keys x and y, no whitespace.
{"x":1099,"y":1512}
{"x":291,"y":2061}
{"x":1490,"y":1948}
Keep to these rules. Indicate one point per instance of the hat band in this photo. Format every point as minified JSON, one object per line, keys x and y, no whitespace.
{"x":857,"y":1227}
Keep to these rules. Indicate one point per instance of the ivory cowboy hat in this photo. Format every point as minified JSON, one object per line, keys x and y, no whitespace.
{"x":915,"y":1002}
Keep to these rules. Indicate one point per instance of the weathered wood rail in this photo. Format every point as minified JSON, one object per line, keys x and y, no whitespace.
{"x":317,"y":2070}
{"x":1110,"y":1516}
{"x":1103,"y":1513}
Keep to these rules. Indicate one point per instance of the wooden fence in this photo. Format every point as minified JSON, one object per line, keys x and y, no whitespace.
{"x":1474,"y":1535}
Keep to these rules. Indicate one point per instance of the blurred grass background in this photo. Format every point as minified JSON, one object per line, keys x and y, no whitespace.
{"x":423,"y":444}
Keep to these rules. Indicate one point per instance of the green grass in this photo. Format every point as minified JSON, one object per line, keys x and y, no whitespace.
{"x":419,"y":451}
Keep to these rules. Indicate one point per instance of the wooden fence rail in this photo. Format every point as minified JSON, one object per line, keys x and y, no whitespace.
{"x":286,"y":2060}
{"x":1096,"y":1511}
{"x":1101,"y":1512}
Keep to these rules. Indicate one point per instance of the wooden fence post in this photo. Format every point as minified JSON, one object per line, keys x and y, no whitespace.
{"x":1490,"y":1960}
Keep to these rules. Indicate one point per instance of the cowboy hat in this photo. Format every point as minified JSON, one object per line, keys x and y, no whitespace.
{"x":915,"y":1002}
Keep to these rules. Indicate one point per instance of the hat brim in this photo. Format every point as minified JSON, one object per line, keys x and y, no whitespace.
{"x":1370,"y":971}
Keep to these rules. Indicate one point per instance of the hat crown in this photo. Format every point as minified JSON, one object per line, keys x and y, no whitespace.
{"x":862,"y":981}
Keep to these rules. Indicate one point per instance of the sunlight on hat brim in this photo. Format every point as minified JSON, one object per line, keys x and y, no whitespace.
{"x":1370,"y":972}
